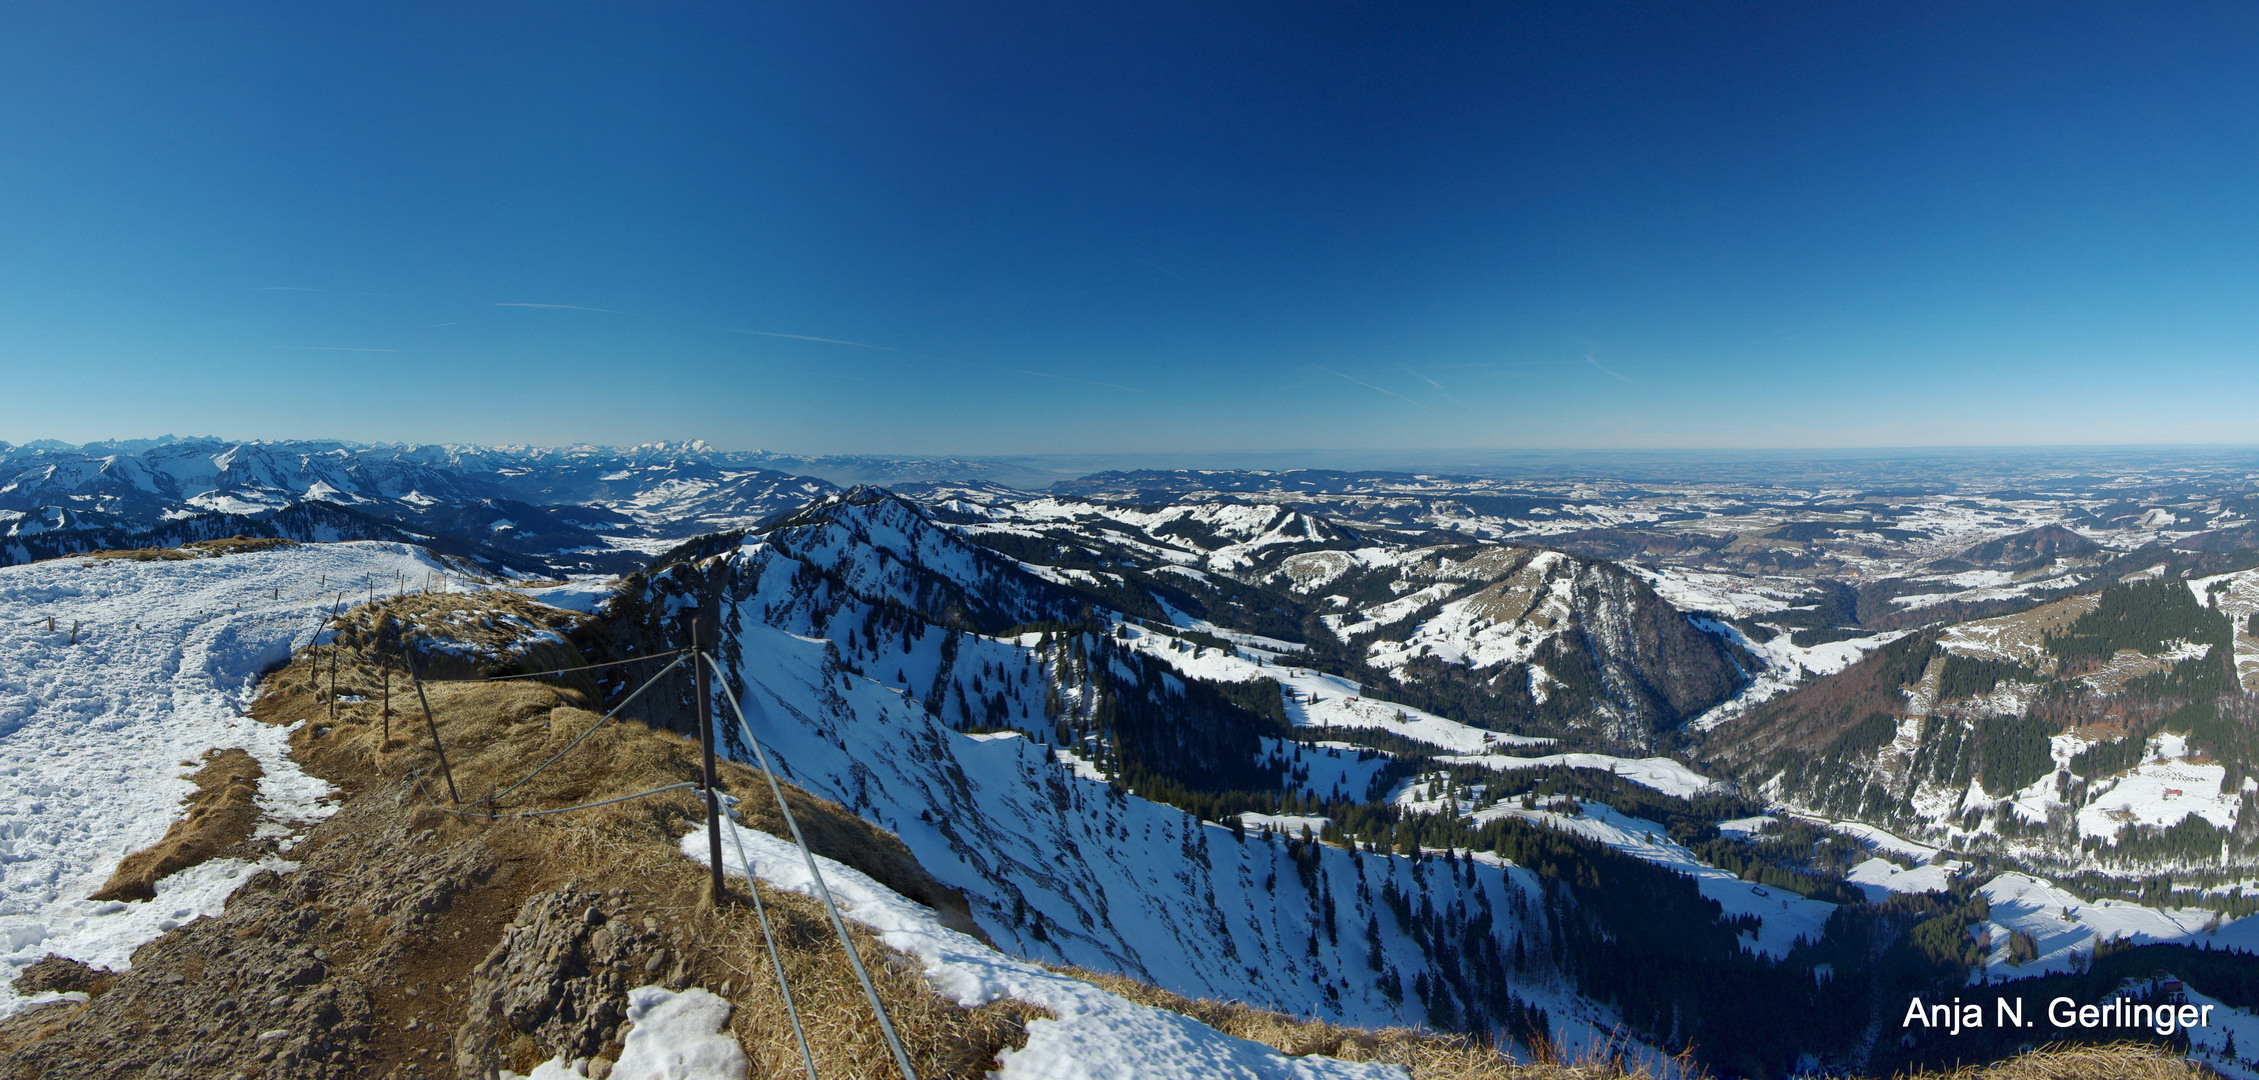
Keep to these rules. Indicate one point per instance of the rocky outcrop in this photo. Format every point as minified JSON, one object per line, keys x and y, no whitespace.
{"x":559,"y":979}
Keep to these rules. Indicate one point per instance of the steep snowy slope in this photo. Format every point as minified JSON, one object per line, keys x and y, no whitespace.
{"x":144,"y":668}
{"x":1058,"y":865}
{"x":1092,"y":1033}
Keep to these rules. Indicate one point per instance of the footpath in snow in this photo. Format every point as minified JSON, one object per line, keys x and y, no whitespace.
{"x":96,"y":735}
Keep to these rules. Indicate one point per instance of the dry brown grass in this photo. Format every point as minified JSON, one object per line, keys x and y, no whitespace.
{"x":139,"y":555}
{"x":496,"y":732}
{"x":198,"y":549}
{"x":2120,"y":1061}
{"x":237,"y":545}
{"x":944,"y":1039}
{"x":221,"y":814}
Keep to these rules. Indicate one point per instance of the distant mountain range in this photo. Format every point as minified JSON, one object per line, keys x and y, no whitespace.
{"x":522,"y":508}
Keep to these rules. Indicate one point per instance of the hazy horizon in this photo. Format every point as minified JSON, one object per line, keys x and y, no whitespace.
{"x":1949,"y":465}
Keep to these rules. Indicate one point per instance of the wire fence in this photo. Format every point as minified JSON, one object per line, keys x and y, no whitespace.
{"x":492,"y":814}
{"x":550,"y":672}
{"x":701,"y":663}
{"x":605,"y":719}
{"x":823,"y":891}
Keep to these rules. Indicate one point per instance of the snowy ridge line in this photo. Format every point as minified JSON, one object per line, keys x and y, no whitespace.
{"x":823,"y":892}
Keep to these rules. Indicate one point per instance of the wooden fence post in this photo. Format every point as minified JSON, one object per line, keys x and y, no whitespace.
{"x":410,"y":655}
{"x":706,"y":750}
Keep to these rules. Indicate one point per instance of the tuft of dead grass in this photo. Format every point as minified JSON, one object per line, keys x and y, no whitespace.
{"x":237,"y":545}
{"x":197,"y":549}
{"x":222,"y":812}
{"x":2117,"y":1061}
{"x":63,"y":975}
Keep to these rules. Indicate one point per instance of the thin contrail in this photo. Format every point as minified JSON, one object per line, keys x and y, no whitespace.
{"x":1369,"y":386}
{"x":561,"y":307}
{"x":338,"y":292}
{"x":329,"y":348}
{"x":1589,"y":359}
{"x":1085,"y":382}
{"x":1447,"y":395}
{"x":1159,"y":270}
{"x":807,"y":337}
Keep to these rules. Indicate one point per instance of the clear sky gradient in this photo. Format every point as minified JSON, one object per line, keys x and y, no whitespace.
{"x":1089,"y":228}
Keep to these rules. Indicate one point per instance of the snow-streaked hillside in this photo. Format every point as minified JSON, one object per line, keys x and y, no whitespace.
{"x":95,"y":736}
{"x":1785,"y":918}
{"x":2066,"y":927}
{"x":1058,"y":865}
{"x":1315,"y":698}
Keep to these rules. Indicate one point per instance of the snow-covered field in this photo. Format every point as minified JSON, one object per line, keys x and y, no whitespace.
{"x":2062,"y":924}
{"x":2161,"y":791}
{"x":1879,"y":878}
{"x":97,"y":736}
{"x":1873,"y":837}
{"x":1661,"y":773}
{"x":2230,"y":1026}
{"x":1786,"y":917}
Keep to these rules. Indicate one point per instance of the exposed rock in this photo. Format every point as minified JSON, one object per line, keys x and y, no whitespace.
{"x":559,"y":978}
{"x":56,"y":974}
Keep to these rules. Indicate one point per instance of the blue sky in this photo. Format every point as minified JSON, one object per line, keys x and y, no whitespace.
{"x":1092,"y":228}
